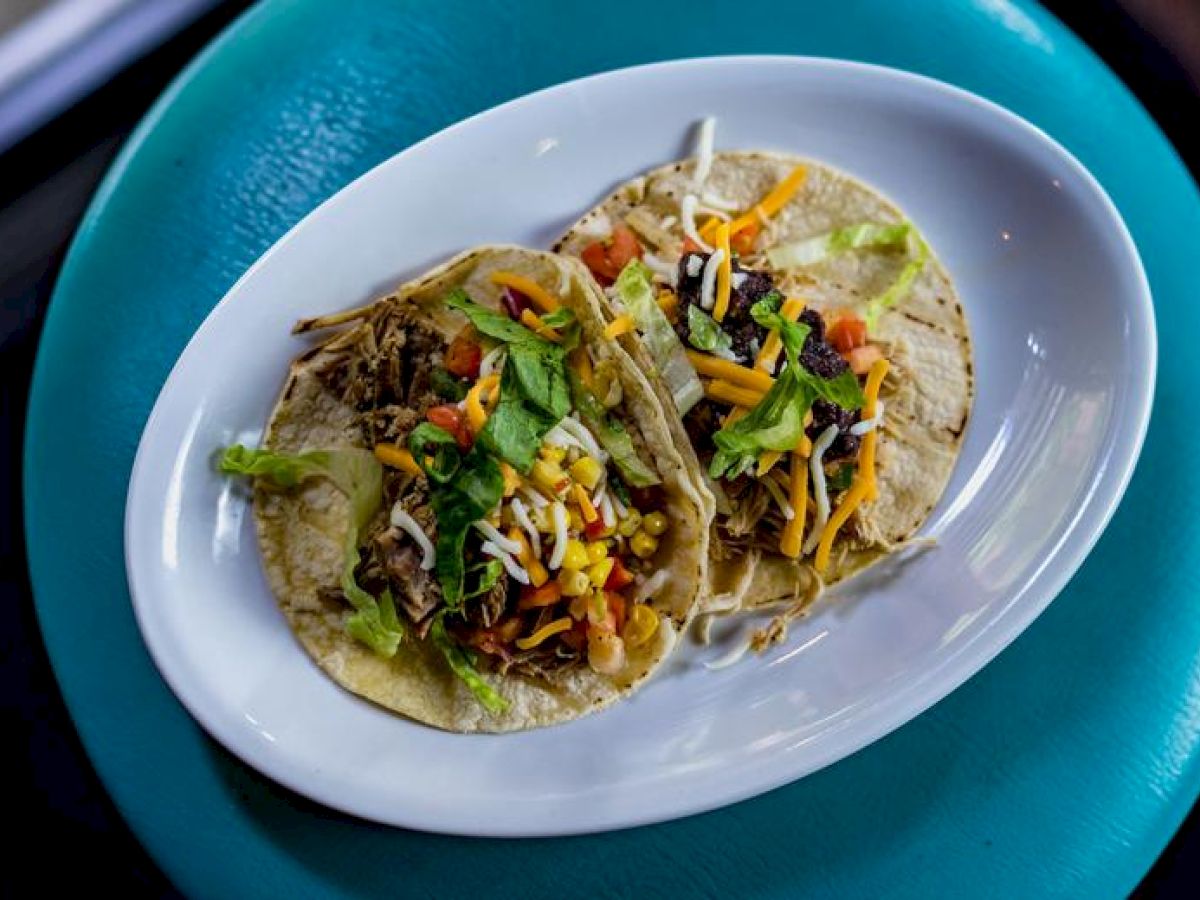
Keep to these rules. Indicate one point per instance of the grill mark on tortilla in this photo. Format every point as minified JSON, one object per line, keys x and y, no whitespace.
{"x":933,"y":326}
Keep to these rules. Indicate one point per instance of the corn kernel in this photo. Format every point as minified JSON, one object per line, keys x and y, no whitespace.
{"x":628,"y":526}
{"x":587,"y":472}
{"x":600,"y":571}
{"x":552,"y":454}
{"x":597,"y":551}
{"x":640,"y":625}
{"x":549,"y":476}
{"x":575,"y":556}
{"x":573,"y":582}
{"x":575,"y":518}
{"x":643,"y":545}
{"x":654,"y":524}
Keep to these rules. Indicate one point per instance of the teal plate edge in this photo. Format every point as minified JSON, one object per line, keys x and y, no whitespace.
{"x":1062,"y":768}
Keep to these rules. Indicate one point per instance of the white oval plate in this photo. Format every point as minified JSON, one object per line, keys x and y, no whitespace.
{"x":1065,"y":357}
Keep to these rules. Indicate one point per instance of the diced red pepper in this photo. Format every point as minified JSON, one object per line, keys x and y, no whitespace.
{"x":450,"y":418}
{"x":464,"y":355}
{"x":742,"y":243}
{"x":576,"y":638}
{"x":690,"y":246}
{"x":608,"y":257}
{"x":619,"y":577}
{"x":595,"y":529}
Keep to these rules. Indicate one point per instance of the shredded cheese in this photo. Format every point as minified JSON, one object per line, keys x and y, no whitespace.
{"x":476,"y":413}
{"x":586,"y":509}
{"x":537,"y":572}
{"x":560,"y":437}
{"x":651,"y":586}
{"x":791,"y":309}
{"x":511,"y":566}
{"x":492,"y":361}
{"x":816,"y":466}
{"x":527,"y":286}
{"x":704,"y":150}
{"x":580,"y":432}
{"x":724,"y":271}
{"x":733,"y":415}
{"x":864,"y":487}
{"x":725,"y":392}
{"x":401,"y":519}
{"x":608,"y":515}
{"x":546,"y":631}
{"x":708,"y":281}
{"x":866,"y":425}
{"x":535,"y":324}
{"x":521,"y":514}
{"x":687,"y":216}
{"x":716,"y":201}
{"x":618,"y":326}
{"x":512,"y":480}
{"x":492,"y":533}
{"x":792,"y":539}
{"x":695,"y":264}
{"x":535,"y":498}
{"x":732,"y":372}
{"x":665,"y":272}
{"x":397,"y":458}
{"x":775,"y":200}
{"x":766,"y":462}
{"x":558,"y":516}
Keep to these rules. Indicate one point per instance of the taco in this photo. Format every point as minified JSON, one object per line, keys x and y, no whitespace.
{"x":813,"y":345}
{"x":468,"y":502}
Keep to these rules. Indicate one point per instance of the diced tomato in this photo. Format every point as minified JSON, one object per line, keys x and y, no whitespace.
{"x":742,"y":243}
{"x":595,"y":529}
{"x":463,"y":356}
{"x":847,"y":333}
{"x":546,"y":595}
{"x":862,"y":358}
{"x":616,"y":607}
{"x":608,"y":257}
{"x":619,"y":577}
{"x":690,"y":246}
{"x":450,"y":418}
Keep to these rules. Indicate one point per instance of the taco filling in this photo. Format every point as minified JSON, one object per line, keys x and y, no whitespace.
{"x":506,"y":510}
{"x":811,"y":344}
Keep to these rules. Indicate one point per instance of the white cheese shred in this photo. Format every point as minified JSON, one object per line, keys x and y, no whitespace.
{"x":558,"y":515}
{"x":536,"y":500}
{"x":522,"y":517}
{"x":695,"y":265}
{"x":402,"y":520}
{"x":716,"y":201}
{"x":687,"y":213}
{"x":708,"y":283}
{"x":665,"y":272}
{"x":511,"y":566}
{"x":493,"y":361}
{"x":820,"y":492}
{"x":492,"y":533}
{"x":651,"y":586}
{"x":583,"y":435}
{"x":860,"y":428}
{"x":704,"y":150}
{"x":560,"y":437}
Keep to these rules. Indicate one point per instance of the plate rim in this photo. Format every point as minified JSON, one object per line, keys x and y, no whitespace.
{"x":931,"y":687}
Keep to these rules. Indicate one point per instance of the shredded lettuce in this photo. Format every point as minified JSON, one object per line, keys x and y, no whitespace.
{"x":358,"y":475}
{"x":447,"y":386}
{"x":899,"y":288}
{"x":463,"y":489}
{"x":777,"y":422}
{"x":635,"y":287}
{"x":460,"y":664}
{"x":862,"y":236}
{"x":611,"y":435}
{"x":704,"y":333}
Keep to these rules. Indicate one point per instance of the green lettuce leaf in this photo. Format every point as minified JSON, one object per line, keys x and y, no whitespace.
{"x":862,"y":236}
{"x":358,"y":475}
{"x":635,"y":287}
{"x":704,"y":333}
{"x":447,"y":386}
{"x":460,"y":664}
{"x":475,"y":490}
{"x":899,"y":288}
{"x":435,"y":451}
{"x":611,"y":435}
{"x":493,"y":323}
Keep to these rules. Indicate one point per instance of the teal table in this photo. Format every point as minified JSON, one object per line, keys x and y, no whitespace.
{"x":1063,"y":768}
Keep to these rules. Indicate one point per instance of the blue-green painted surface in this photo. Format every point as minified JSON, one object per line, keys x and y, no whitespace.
{"x":1062,"y":768}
